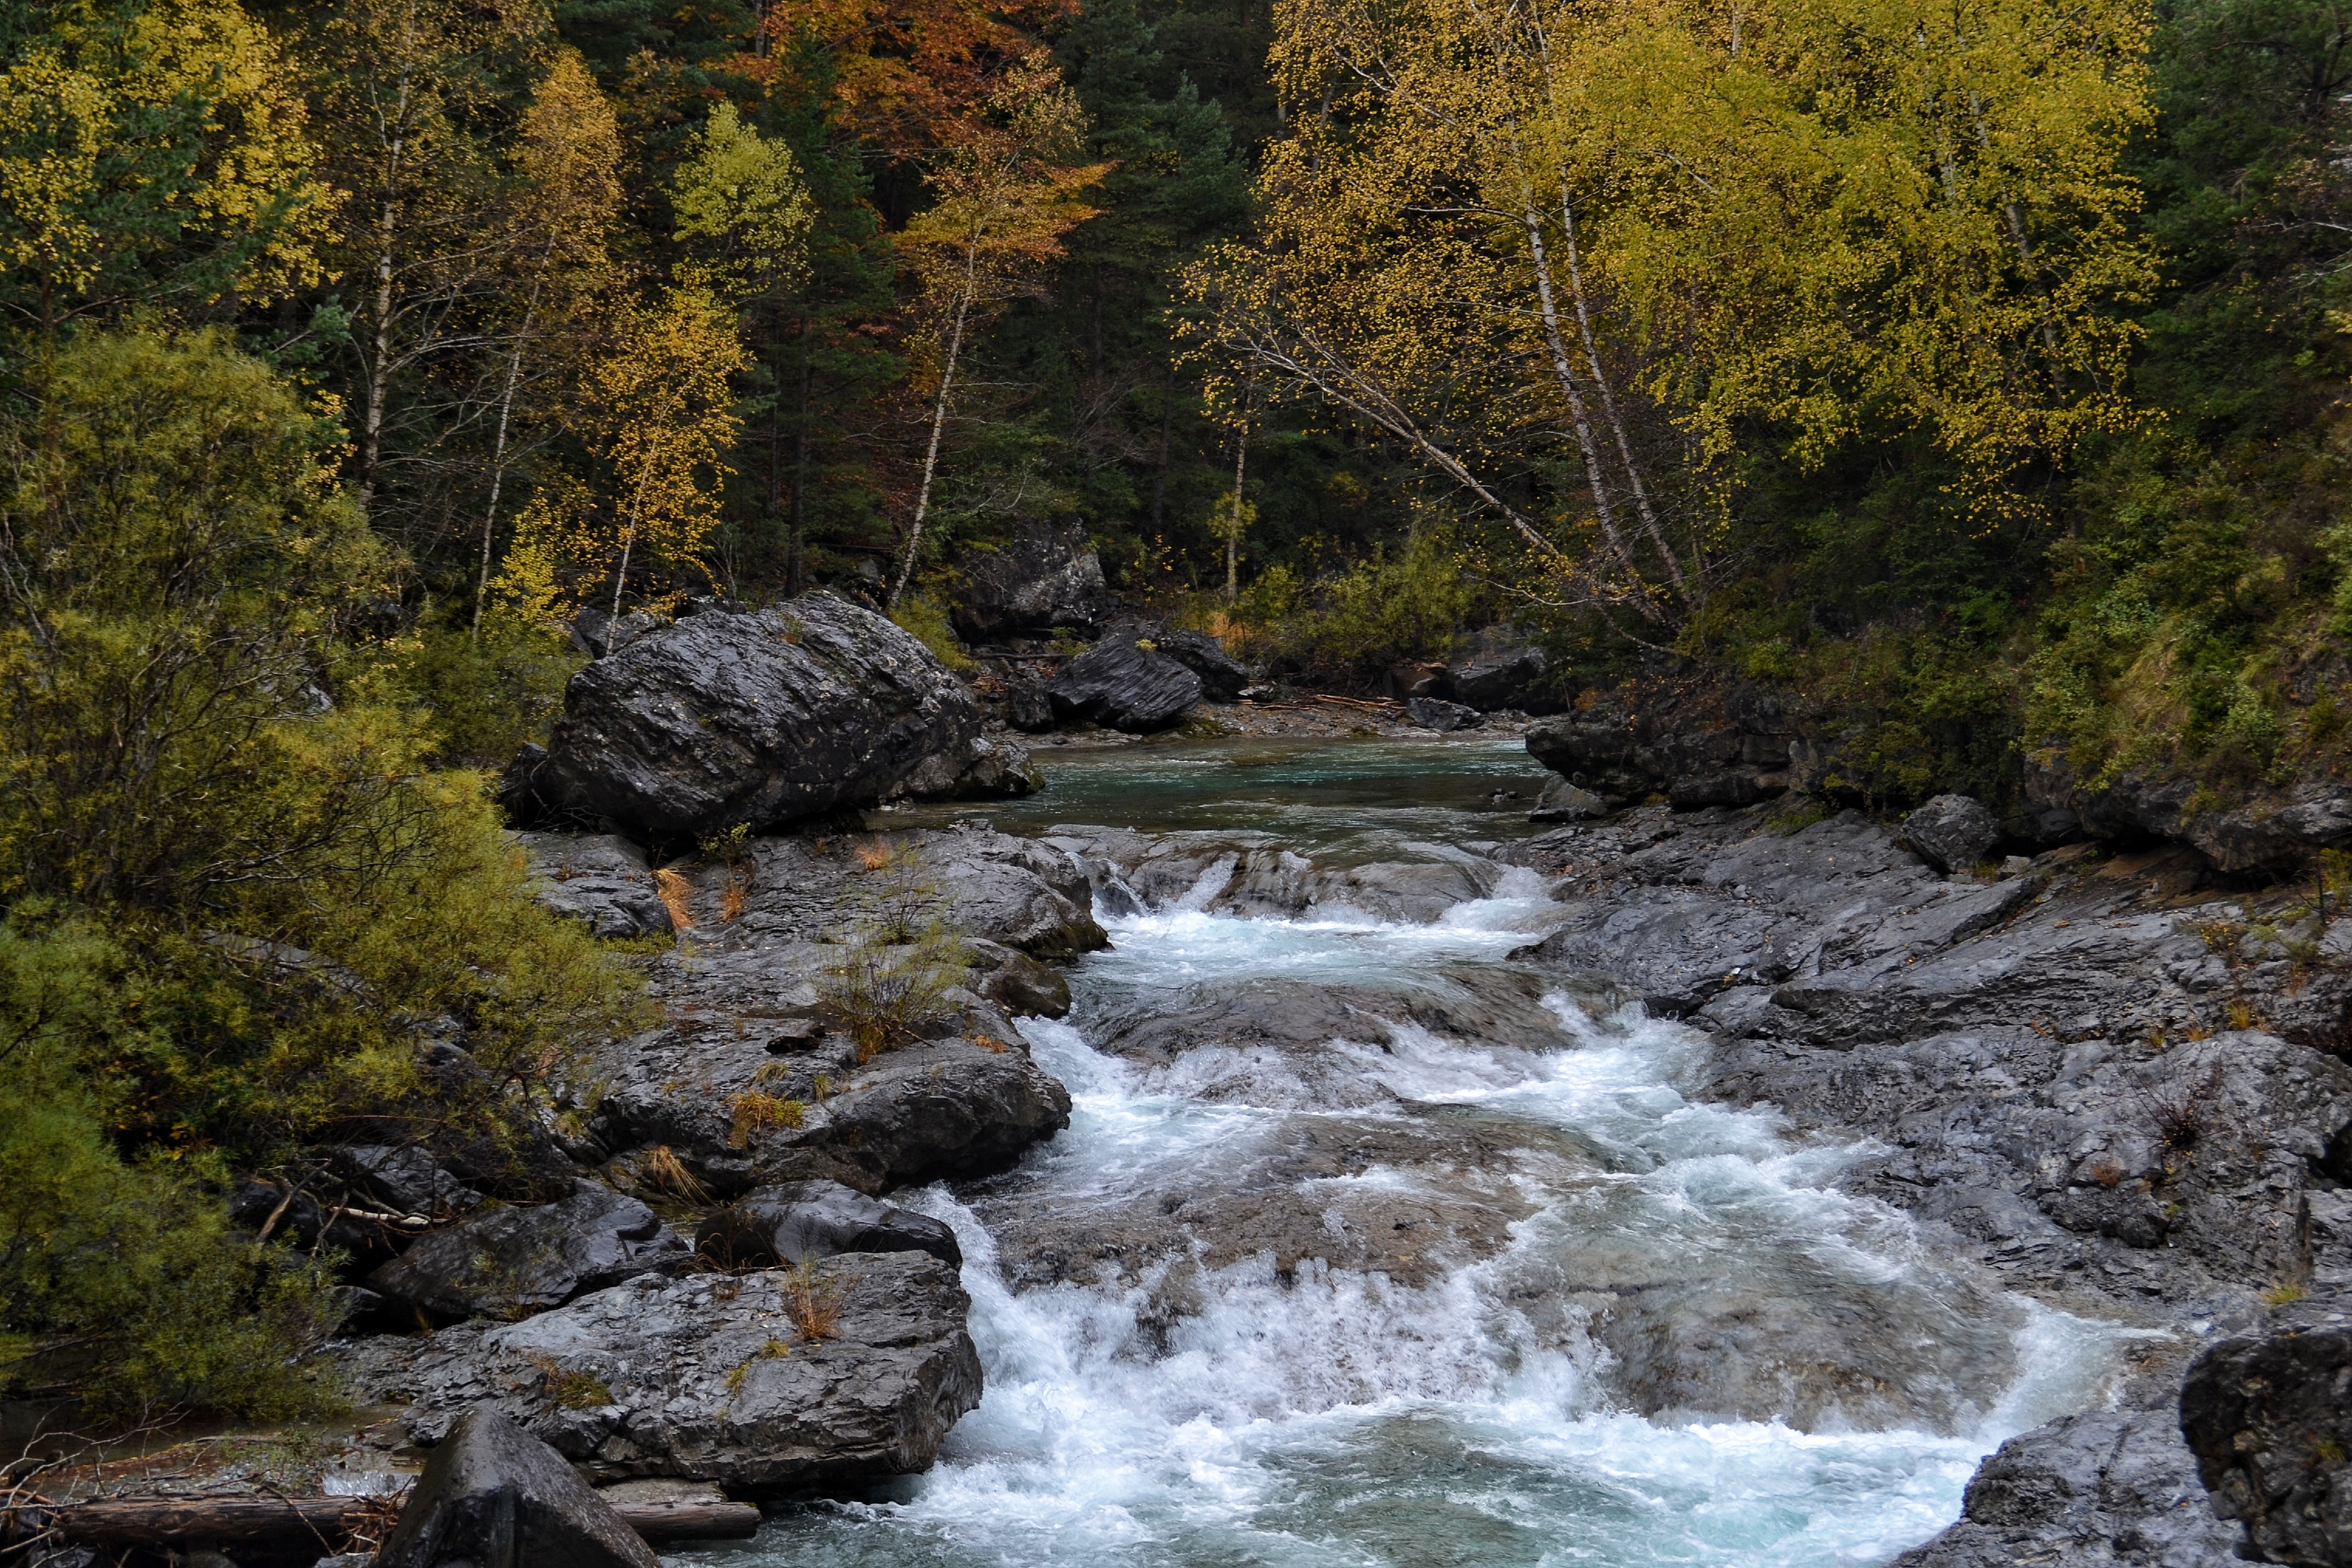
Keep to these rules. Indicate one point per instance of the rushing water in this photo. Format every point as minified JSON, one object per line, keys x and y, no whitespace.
{"x":1311,"y":1415}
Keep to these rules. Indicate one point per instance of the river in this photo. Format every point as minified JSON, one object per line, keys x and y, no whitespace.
{"x":1612,"y":1325}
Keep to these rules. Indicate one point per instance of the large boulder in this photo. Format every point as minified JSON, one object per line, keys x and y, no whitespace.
{"x":765,"y":1383}
{"x":1123,"y":682}
{"x":1222,"y":675}
{"x":1951,"y":832}
{"x":760,"y":719}
{"x":1436,"y":713}
{"x":2269,"y":1416}
{"x":493,"y":1496}
{"x":1511,"y":680}
{"x":512,"y":1262}
{"x":1045,"y":578}
{"x":803,"y":1220}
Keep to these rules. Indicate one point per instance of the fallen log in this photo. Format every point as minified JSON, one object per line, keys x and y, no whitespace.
{"x":264,"y":1521}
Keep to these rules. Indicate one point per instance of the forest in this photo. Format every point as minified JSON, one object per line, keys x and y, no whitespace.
{"x":1976,"y":374}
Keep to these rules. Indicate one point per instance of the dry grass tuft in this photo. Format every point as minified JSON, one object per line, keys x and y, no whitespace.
{"x":754,"y":1112}
{"x":664,"y":1172}
{"x":989,"y":1042}
{"x":875,"y":855}
{"x":731,"y":899}
{"x":677,"y":895}
{"x":810,"y":1301}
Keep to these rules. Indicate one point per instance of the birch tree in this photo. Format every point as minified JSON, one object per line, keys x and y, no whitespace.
{"x":1004,"y":199}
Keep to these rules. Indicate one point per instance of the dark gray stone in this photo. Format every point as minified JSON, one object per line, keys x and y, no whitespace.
{"x":1436,"y":713}
{"x":1028,"y":705}
{"x":1563,"y":802}
{"x":512,"y":1262}
{"x":1511,"y":681}
{"x":600,"y":878}
{"x":1951,"y":832}
{"x":2269,"y":1416}
{"x":1221,"y":676}
{"x":1123,"y":682}
{"x":405,"y":1179}
{"x":2111,"y":1489}
{"x":1046,"y":578}
{"x":760,"y":719}
{"x":709,"y":1377}
{"x":817,"y":1219}
{"x":493,"y":1496}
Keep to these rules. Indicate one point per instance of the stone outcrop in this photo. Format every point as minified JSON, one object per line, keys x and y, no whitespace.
{"x":1436,"y":713}
{"x":2269,"y":1416}
{"x":512,"y":1262}
{"x":712,"y":1377}
{"x":1047,"y":578}
{"x":984,"y":768}
{"x":726,"y":719}
{"x":600,"y":878}
{"x":492,"y":1495}
{"x":1222,"y":675}
{"x":1699,"y":749}
{"x":2254,"y":829}
{"x":1123,"y":682}
{"x":1563,"y":802}
{"x":1510,"y":680}
{"x":806,"y":1220}
{"x":1951,"y":832}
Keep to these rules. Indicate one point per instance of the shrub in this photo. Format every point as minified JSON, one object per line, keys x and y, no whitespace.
{"x":812,"y":1301}
{"x":921,"y":617}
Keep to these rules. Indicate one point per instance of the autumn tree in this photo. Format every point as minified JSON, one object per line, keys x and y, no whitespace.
{"x":564,"y":210}
{"x":1538,"y":239}
{"x":1004,"y":199}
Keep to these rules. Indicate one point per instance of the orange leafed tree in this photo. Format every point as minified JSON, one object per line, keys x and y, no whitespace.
{"x":913,"y":75}
{"x":1008,"y":195}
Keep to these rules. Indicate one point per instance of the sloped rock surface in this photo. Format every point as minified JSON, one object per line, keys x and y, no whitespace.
{"x":492,"y":1495}
{"x":725,"y":719}
{"x":601,"y":878}
{"x":2269,"y":1416}
{"x":1222,"y":675}
{"x":707,"y":1377}
{"x":1046,"y":578}
{"x":1121,"y":684}
{"x":2105,"y":1490}
{"x":1510,"y":680}
{"x":1436,"y":713}
{"x":817,"y":1219}
{"x":511,"y":1262}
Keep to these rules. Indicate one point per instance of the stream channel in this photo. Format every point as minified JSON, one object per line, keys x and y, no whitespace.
{"x":1614,"y":1325}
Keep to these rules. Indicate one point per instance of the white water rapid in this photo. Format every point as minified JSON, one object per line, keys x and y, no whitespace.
{"x":1305,"y":1416}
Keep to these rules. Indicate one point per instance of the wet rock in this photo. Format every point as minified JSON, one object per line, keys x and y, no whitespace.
{"x":492,"y":1495}
{"x":1023,"y":986}
{"x":1433,"y":713}
{"x":2110,"y":1489}
{"x":1415,"y":677}
{"x":762,"y":719}
{"x":984,"y":768}
{"x":1046,"y":578}
{"x":2262,"y":828}
{"x":597,"y":633}
{"x":601,"y":878}
{"x":1123,"y":682}
{"x":1723,"y":786}
{"x":1251,"y":875}
{"x":817,"y":1219}
{"x":1951,"y":832}
{"x":405,"y":1179}
{"x":1222,"y":675}
{"x":2269,"y":1416}
{"x":1512,"y":682}
{"x":1563,"y":802}
{"x":512,"y":1262}
{"x":709,"y":1377}
{"x":1029,"y":705}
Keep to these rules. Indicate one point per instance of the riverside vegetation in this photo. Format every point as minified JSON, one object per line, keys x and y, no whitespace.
{"x":1979,"y":383}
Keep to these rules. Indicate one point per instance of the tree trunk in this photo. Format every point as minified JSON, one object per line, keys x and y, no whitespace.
{"x":939,"y":422}
{"x":1234,"y":526}
{"x":498,"y":460}
{"x":379,"y":369}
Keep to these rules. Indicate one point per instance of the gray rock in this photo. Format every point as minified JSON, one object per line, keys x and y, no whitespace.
{"x":493,"y":1496}
{"x":817,"y":1219}
{"x":601,"y":878}
{"x":709,"y":1377}
{"x":762,"y":719}
{"x":1951,"y":832}
{"x":1563,"y":802}
{"x":405,"y":1179}
{"x":512,"y":1262}
{"x":1023,"y":986}
{"x":1436,"y":713}
{"x":1510,"y":681}
{"x":1123,"y":682}
{"x":2257,"y":829}
{"x":2269,"y":1416}
{"x":2105,"y":1490}
{"x":1221,"y":676}
{"x":1028,"y":705}
{"x":982,"y":769}
{"x":1047,"y":577}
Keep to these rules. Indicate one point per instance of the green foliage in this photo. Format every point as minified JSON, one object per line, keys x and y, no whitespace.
{"x":1395,"y":606}
{"x":927,"y":620}
{"x":483,"y":696}
{"x":119,"y":1280}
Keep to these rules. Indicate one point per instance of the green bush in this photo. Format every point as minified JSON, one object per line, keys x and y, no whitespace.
{"x":1389,"y":607}
{"x":922,"y":618}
